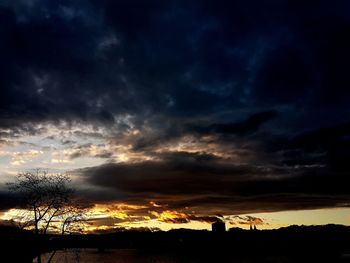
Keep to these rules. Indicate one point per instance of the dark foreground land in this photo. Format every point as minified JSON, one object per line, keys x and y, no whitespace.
{"x":329,"y":243}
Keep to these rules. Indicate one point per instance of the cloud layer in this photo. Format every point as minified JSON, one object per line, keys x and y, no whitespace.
{"x":221,"y":107}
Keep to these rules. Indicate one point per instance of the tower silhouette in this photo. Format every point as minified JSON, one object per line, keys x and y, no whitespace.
{"x":218,"y":227}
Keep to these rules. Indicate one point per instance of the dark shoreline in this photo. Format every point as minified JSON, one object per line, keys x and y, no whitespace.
{"x":328,"y":243}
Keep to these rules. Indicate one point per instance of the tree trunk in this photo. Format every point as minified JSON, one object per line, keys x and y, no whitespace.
{"x":37,"y":239}
{"x":36,"y":229}
{"x":51,"y":257}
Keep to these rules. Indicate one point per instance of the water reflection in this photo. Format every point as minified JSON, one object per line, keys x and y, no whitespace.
{"x":108,"y":256}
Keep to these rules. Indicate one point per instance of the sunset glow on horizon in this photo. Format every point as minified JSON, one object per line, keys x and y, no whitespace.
{"x":118,"y":217}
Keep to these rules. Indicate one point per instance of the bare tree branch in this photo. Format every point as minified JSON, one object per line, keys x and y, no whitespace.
{"x":49,"y":198}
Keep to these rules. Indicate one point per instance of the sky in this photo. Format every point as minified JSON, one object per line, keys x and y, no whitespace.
{"x":170,"y":114}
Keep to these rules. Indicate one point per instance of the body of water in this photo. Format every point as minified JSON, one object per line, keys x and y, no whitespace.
{"x":136,"y":256}
{"x":108,"y":256}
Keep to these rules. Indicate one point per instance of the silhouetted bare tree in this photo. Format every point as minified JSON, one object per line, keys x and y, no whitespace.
{"x":48,"y":202}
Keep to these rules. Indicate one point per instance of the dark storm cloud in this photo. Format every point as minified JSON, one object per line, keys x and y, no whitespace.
{"x":60,"y":57}
{"x":171,"y":131}
{"x":87,"y":150}
{"x":8,"y":200}
{"x":184,"y":180}
{"x":270,"y":75}
{"x":250,"y":125}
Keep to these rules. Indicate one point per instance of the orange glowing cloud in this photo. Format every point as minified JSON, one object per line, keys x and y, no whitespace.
{"x":171,"y":217}
{"x":250,"y":220}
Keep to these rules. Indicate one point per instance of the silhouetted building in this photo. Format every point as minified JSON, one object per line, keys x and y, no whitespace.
{"x":218,"y":227}
{"x":252,"y":228}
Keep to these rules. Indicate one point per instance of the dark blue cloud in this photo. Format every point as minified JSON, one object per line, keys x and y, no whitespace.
{"x":219,"y":68}
{"x":172,"y":57}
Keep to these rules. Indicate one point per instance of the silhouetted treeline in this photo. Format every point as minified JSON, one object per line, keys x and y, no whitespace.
{"x":329,"y":243}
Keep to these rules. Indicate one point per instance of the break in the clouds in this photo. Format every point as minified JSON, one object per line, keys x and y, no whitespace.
{"x":215,"y":106}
